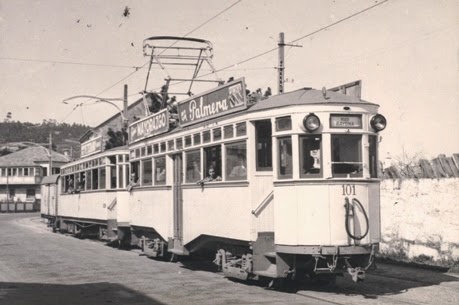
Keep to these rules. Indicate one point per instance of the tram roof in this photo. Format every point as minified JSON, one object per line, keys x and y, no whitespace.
{"x":306,"y":96}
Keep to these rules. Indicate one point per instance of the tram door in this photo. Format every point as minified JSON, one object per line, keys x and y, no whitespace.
{"x":178,"y":201}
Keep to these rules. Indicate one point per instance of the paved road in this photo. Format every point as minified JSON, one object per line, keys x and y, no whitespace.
{"x":41,"y":267}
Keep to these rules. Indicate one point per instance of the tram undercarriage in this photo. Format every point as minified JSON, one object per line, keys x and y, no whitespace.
{"x":296,"y":262}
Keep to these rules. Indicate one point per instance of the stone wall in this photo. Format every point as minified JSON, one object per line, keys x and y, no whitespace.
{"x":420,"y":220}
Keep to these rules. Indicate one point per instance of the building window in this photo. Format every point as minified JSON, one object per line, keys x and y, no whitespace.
{"x":236,"y":161}
{"x":12,"y":193}
{"x":263,"y":134}
{"x":285,"y":157}
{"x":30,"y":193}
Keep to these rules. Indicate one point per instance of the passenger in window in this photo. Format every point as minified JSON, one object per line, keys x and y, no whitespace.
{"x":194,"y":174}
{"x":162,"y":175}
{"x":70,"y":189}
{"x":133,"y":181}
{"x":211,"y":177}
{"x":239,"y":170}
{"x":312,"y":164}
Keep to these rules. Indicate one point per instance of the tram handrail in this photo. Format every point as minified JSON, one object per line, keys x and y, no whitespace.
{"x":263,"y":203}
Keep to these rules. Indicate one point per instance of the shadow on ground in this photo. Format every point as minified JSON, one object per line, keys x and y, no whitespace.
{"x":387,"y":280}
{"x":56,"y":294}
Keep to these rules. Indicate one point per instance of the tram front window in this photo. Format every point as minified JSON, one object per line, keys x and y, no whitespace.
{"x":347,"y":155}
{"x":310,"y":152}
{"x":285,"y":157}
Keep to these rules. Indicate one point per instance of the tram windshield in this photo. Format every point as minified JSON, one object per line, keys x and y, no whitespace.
{"x":347,"y":156}
{"x":310,"y":150}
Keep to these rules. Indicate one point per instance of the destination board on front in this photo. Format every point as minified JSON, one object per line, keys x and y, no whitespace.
{"x":345,"y":121}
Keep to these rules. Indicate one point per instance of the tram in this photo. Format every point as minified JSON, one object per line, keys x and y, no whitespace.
{"x":274,"y":187}
{"x":88,"y":198}
{"x":278,"y":188}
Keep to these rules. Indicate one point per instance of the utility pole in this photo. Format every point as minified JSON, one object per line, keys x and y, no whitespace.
{"x":125,"y":110}
{"x":281,"y":67}
{"x":50,"y":154}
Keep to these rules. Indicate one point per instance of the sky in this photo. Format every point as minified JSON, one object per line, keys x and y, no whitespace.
{"x":406,"y":52}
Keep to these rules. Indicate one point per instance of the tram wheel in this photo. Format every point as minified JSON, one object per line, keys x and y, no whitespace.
{"x":174,"y":258}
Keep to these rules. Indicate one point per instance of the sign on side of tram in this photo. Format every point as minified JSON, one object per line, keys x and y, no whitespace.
{"x":91,"y":147}
{"x":213,"y":103}
{"x":154,"y":124}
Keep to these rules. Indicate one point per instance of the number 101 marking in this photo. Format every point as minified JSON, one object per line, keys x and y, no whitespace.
{"x":348,"y":189}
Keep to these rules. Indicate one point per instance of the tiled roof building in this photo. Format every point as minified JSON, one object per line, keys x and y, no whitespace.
{"x":21,"y":173}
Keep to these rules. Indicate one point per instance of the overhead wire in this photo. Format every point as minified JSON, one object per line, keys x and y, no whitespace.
{"x":293,"y":41}
{"x":139,"y":68}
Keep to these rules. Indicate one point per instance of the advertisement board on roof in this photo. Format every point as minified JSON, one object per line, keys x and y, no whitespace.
{"x":213,"y":103}
{"x":154,"y":124}
{"x":91,"y":147}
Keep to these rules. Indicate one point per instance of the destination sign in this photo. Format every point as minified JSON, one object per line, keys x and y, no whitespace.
{"x":345,"y":121}
{"x":91,"y":147}
{"x":213,"y":103}
{"x":154,"y":124}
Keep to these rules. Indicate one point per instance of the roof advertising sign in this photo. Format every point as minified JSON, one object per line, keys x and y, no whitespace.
{"x":213,"y":103}
{"x":91,"y":147}
{"x":154,"y":124}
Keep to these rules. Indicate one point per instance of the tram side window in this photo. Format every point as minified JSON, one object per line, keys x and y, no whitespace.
{"x":88,"y":180}
{"x":236,"y":161}
{"x":147,"y":174}
{"x":264,"y":145}
{"x":102,"y":175}
{"x":135,"y":169}
{"x":82,"y":184}
{"x":285,"y":157}
{"x":213,"y":159}
{"x":347,"y":155}
{"x":310,"y":162}
{"x":373,"y":156}
{"x":160,"y":171}
{"x":193,"y":166}
{"x":95,"y":179}
{"x":113,"y":177}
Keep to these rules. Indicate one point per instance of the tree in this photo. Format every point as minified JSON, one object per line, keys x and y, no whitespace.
{"x":116,"y":138}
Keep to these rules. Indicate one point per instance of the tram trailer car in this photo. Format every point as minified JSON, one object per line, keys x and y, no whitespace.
{"x":88,"y":198}
{"x":296,"y":190}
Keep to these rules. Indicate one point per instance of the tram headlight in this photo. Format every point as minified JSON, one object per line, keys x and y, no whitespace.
{"x":378,"y":122}
{"x":311,"y":122}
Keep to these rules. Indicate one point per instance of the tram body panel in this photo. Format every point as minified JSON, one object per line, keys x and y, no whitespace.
{"x":90,"y":205}
{"x":220,"y":212}
{"x":122,"y":209}
{"x":262,"y":198}
{"x":315,"y":214}
{"x":49,"y":199}
{"x":152,"y":209}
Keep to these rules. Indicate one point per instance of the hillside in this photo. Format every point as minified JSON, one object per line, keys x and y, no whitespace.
{"x":39,"y":133}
